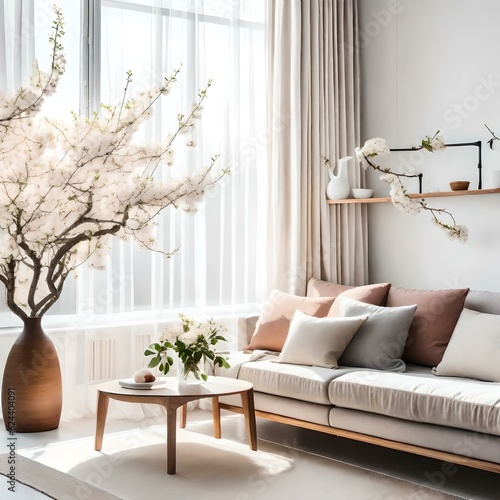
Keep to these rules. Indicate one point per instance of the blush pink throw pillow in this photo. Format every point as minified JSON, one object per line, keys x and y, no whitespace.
{"x":369,"y":294}
{"x":272,"y":327}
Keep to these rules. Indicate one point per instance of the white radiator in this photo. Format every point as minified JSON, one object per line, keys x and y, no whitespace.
{"x":102,"y":359}
{"x":140,"y":343}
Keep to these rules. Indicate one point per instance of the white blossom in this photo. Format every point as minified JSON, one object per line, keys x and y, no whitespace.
{"x":437,"y":143}
{"x":375,"y":147}
{"x":171,"y":333}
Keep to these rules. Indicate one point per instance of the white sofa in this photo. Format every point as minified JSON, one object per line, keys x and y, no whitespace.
{"x":413,"y":409}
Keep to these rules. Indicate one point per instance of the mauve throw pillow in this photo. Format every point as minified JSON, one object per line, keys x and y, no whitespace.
{"x":272,"y":327}
{"x":433,"y":324}
{"x":370,"y":294}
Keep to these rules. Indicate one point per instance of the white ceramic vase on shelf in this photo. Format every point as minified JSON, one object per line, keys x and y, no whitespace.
{"x":338,"y":187}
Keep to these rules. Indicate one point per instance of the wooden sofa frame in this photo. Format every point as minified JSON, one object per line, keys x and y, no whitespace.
{"x":365,"y":438}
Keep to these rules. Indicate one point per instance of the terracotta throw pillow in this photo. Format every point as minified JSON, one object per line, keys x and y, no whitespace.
{"x":433,"y":324}
{"x":369,"y":294}
{"x":272,"y":326}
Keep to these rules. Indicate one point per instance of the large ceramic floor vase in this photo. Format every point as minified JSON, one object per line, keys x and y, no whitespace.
{"x":32,"y":385}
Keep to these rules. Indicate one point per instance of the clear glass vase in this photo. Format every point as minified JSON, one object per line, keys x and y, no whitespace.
{"x":190,"y":372}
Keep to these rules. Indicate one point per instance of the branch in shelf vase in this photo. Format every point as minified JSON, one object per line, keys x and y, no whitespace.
{"x":493,"y":136}
{"x":399,"y":196}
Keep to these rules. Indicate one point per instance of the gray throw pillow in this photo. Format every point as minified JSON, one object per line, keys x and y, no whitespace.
{"x":380,"y":342}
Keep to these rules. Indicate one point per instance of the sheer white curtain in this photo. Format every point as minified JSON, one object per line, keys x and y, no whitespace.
{"x":219,"y":251}
{"x":25,"y":26}
{"x":16,"y":42}
{"x":313,"y":88}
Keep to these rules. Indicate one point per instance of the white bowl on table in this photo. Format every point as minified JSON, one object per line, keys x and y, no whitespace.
{"x":361,"y":193}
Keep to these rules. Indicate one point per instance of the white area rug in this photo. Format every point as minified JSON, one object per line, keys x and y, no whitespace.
{"x":132,"y":466}
{"x":34,"y":481}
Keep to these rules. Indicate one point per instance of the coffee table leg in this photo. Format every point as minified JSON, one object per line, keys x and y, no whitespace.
{"x":183,"y":422}
{"x":102,"y":412}
{"x":216,"y":417}
{"x":171,"y":438}
{"x":249,"y":410}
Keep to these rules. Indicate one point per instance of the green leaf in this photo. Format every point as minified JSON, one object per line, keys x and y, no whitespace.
{"x":147,"y":352}
{"x":154,"y":362}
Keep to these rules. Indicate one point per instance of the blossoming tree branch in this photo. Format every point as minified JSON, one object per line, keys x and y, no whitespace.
{"x":68,"y":186}
{"x":373,"y":148}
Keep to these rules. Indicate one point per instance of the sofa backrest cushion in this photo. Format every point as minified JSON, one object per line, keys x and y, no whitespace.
{"x":483,"y":301}
{"x":435,"y":318}
{"x":474,"y":348}
{"x":272,"y":327}
{"x":318,"y":341}
{"x":380,"y":342}
{"x":371,"y":294}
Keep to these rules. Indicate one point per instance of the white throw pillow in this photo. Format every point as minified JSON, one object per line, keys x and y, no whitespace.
{"x":474,"y":348}
{"x":318,"y":341}
{"x":380,"y":342}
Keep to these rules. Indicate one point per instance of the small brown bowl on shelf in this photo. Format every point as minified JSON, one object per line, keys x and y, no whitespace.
{"x":459,"y":185}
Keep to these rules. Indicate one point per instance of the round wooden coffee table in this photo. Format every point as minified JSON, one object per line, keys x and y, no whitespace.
{"x":172,"y":396}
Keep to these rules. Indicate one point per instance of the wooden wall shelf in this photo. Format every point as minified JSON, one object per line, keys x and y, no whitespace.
{"x":436,"y":194}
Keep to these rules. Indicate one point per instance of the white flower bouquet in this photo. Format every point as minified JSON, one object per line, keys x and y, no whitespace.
{"x":193,"y":342}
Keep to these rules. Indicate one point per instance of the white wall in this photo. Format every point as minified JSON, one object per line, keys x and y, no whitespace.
{"x":429,"y":65}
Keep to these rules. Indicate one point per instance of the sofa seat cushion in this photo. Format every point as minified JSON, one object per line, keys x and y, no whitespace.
{"x":307,"y":383}
{"x":421,"y":397}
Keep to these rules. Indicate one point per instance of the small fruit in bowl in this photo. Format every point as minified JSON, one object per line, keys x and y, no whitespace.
{"x":143,"y":376}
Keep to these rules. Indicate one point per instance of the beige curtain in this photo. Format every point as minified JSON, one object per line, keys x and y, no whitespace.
{"x":314,"y":80}
{"x":284,"y":158}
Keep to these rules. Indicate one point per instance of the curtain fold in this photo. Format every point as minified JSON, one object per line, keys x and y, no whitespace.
{"x":307,"y":236}
{"x":283,"y":104}
{"x":17,"y":43}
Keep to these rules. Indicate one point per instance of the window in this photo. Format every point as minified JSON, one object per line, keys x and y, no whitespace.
{"x":220,"y":250}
